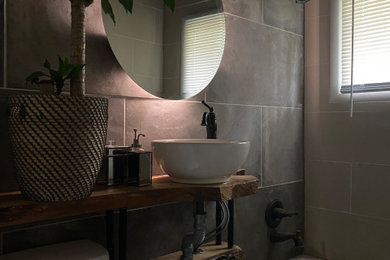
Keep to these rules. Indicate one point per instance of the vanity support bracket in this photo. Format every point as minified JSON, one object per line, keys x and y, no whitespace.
{"x":218,"y":221}
{"x":110,"y":232}
{"x":231,"y":224}
{"x":122,"y":233}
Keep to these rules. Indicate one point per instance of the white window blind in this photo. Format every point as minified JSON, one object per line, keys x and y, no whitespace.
{"x":203,"y":45}
{"x":371,"y":45}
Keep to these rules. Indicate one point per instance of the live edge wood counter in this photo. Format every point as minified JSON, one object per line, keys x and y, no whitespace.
{"x":15,"y":210}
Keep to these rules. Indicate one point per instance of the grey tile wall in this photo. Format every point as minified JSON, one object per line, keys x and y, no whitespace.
{"x":282,"y":145}
{"x":272,"y":75}
{"x":286,"y":15}
{"x":257,"y":94}
{"x":248,"y":9}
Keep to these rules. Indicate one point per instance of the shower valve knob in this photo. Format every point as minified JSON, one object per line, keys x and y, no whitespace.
{"x":275,"y":213}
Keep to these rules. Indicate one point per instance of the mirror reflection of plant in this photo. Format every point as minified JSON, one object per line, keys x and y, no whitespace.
{"x":65,"y":71}
{"x":78,"y":34}
{"x":128,"y":6}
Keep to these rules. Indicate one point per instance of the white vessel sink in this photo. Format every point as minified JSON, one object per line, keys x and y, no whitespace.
{"x":200,"y":161}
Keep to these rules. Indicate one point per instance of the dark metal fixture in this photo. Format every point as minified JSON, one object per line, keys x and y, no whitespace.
{"x":273,"y":216}
{"x":275,"y":213}
{"x":276,"y":237}
{"x":210,"y":121}
{"x":302,"y":1}
{"x":136,"y":143}
{"x":192,"y":241}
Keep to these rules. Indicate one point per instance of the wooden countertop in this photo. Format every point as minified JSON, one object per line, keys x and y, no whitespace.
{"x":15,"y":210}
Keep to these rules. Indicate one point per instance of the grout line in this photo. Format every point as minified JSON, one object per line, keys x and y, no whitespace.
{"x":243,"y":18}
{"x":328,"y":161}
{"x":348,"y":162}
{"x":262,"y":106}
{"x":281,"y":184}
{"x":330,"y":210}
{"x":266,"y":25}
{"x":167,"y":100}
{"x":280,"y":29}
{"x":349,"y":213}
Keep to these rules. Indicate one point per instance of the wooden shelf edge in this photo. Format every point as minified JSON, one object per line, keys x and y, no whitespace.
{"x":15,"y":210}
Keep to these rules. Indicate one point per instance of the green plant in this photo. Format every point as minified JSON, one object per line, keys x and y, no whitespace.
{"x":65,"y":71}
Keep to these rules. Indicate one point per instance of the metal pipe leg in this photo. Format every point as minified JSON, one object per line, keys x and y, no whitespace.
{"x":231,"y":224}
{"x":218,"y":221}
{"x":122,"y":233}
{"x":110,"y":232}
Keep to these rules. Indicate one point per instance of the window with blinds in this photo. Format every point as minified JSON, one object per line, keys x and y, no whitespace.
{"x":369,"y":26}
{"x":203,"y":45}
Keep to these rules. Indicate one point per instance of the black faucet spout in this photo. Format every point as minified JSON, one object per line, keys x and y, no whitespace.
{"x":210,"y":121}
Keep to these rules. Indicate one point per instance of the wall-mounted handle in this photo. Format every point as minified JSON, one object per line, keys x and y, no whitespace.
{"x":275,"y":213}
{"x":282,"y":213}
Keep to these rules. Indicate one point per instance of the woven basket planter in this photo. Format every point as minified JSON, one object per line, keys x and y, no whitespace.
{"x":58,"y":144}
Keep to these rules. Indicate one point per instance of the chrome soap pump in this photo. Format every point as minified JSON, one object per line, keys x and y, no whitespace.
{"x":139,"y":163}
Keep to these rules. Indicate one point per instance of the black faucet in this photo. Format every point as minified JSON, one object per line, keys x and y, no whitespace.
{"x":210,"y":121}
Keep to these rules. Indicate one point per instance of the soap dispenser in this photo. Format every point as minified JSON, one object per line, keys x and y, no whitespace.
{"x":136,"y":146}
{"x":139,"y":163}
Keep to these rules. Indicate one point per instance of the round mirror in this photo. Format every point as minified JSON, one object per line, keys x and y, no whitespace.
{"x":170,"y":55}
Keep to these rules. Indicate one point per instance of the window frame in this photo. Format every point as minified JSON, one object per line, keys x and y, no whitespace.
{"x":338,"y":92}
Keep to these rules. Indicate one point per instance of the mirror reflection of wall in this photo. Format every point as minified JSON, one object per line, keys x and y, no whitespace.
{"x":171,"y":55}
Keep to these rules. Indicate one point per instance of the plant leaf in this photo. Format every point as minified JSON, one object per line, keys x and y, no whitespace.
{"x":107,"y":8}
{"x":55,"y":75}
{"x":75,"y":71}
{"x":127,"y":5}
{"x":170,"y":4}
{"x":47,"y":64}
{"x":60,"y":64}
{"x":34,"y":77}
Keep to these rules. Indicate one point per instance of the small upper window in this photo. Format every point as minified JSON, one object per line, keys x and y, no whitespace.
{"x":203,"y":45}
{"x":365,"y":45}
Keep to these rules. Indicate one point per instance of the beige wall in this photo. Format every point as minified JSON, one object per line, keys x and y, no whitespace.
{"x":347,"y":160}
